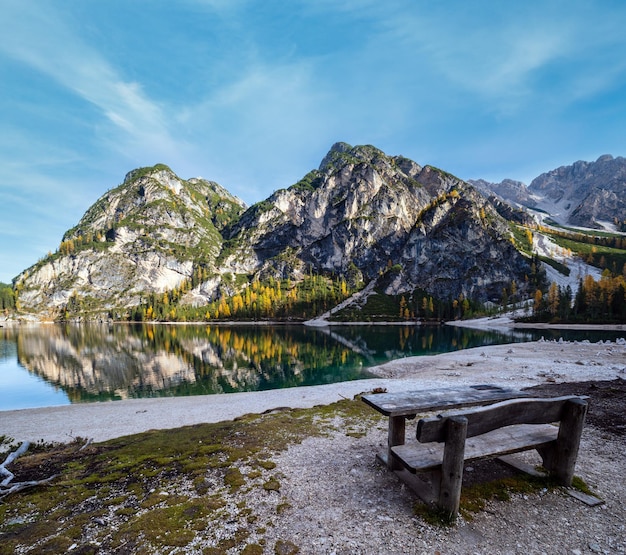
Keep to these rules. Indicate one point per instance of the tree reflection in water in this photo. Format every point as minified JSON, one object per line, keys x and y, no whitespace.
{"x":101,"y":362}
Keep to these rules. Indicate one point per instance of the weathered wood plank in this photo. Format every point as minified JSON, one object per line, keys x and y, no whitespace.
{"x":529,"y":469}
{"x":418,"y":457}
{"x":498,"y":415}
{"x":410,"y":403}
{"x":452,"y":465}
{"x":427,"y":489}
{"x":590,"y":500}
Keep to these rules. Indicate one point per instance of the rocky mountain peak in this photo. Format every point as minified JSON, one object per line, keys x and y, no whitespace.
{"x":360,"y":214}
{"x":343,"y":154}
{"x":159,"y":172}
{"x":585,"y":193}
{"x":604,"y":158}
{"x":334,"y":153}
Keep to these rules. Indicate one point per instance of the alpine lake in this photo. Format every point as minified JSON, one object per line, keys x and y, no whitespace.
{"x":47,"y":365}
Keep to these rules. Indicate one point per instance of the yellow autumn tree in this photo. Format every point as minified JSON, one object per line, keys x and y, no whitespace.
{"x":538,"y":298}
{"x":553,"y":299}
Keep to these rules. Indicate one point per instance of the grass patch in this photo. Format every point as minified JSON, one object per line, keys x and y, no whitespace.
{"x":583,"y":231}
{"x":558,"y":266}
{"x":377,"y":308}
{"x":272,"y":485}
{"x":161,"y":490}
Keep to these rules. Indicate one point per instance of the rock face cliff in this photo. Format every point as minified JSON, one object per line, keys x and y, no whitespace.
{"x":362,"y":215}
{"x":585,"y":194}
{"x":362,"y":211}
{"x":149,"y":234}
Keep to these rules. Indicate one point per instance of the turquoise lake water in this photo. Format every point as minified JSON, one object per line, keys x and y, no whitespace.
{"x":51,"y":365}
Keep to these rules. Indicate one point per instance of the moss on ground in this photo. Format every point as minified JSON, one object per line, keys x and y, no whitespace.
{"x":474,"y":498}
{"x":161,"y":491}
{"x":188,"y":488}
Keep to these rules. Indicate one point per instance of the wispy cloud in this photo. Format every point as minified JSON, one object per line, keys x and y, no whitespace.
{"x":267,"y":112}
{"x":494,"y":60}
{"x":36,"y":35}
{"x":500,"y":55}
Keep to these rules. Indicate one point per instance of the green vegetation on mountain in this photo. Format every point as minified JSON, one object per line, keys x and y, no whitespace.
{"x":158,"y":247}
{"x":7,"y":298}
{"x":522,"y":238}
{"x":309,"y":182}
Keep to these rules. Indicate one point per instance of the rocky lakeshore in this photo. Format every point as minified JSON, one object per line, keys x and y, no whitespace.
{"x":336,"y":499}
{"x":514,"y":365}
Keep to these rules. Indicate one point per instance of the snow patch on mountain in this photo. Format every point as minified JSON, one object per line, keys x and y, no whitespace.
{"x":544,"y":246}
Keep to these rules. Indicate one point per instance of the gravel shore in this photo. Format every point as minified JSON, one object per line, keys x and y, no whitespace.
{"x":514,"y":365}
{"x":341,"y":501}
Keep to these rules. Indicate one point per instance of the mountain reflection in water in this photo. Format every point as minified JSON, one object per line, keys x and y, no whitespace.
{"x":102,"y":362}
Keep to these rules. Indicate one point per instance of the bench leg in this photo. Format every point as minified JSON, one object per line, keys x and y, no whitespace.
{"x":395,"y":436}
{"x":452,"y":465}
{"x":568,"y":440}
{"x":559,"y":457}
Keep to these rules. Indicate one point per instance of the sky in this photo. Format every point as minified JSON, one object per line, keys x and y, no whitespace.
{"x":252,"y":94}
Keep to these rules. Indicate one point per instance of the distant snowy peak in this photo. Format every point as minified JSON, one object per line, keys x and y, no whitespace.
{"x":585,"y":194}
{"x":509,"y":190}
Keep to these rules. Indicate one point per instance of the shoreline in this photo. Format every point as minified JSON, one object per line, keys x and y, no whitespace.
{"x":485,"y":322}
{"x":515,"y":365}
{"x":506,"y":322}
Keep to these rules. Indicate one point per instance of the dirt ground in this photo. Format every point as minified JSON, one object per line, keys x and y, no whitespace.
{"x":350,"y":505}
{"x":607,"y":401}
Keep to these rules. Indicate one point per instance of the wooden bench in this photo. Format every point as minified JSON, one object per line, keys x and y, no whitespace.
{"x":447,"y":440}
{"x":404,"y":405}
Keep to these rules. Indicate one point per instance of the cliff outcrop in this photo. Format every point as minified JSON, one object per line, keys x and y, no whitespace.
{"x":361,"y":215}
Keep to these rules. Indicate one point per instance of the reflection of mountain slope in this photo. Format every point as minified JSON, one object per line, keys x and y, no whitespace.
{"x":105,"y":362}
{"x":353,"y":346}
{"x":121,"y":361}
{"x":115,"y":367}
{"x":227,"y":365}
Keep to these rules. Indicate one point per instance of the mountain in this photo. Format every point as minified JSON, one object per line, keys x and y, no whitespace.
{"x":362,"y":211}
{"x":362,"y":215}
{"x":584,"y":194}
{"x":513,"y":192}
{"x":149,"y":234}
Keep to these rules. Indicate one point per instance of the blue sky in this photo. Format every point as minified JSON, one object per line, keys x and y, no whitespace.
{"x":252,"y":94}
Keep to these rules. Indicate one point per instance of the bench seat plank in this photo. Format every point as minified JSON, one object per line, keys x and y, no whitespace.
{"x":418,"y":457}
{"x":410,"y":403}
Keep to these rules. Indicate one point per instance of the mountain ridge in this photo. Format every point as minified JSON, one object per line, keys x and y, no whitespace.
{"x":356,"y":216}
{"x":583,"y":194}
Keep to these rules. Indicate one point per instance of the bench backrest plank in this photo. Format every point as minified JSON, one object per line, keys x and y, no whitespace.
{"x":506,"y":413}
